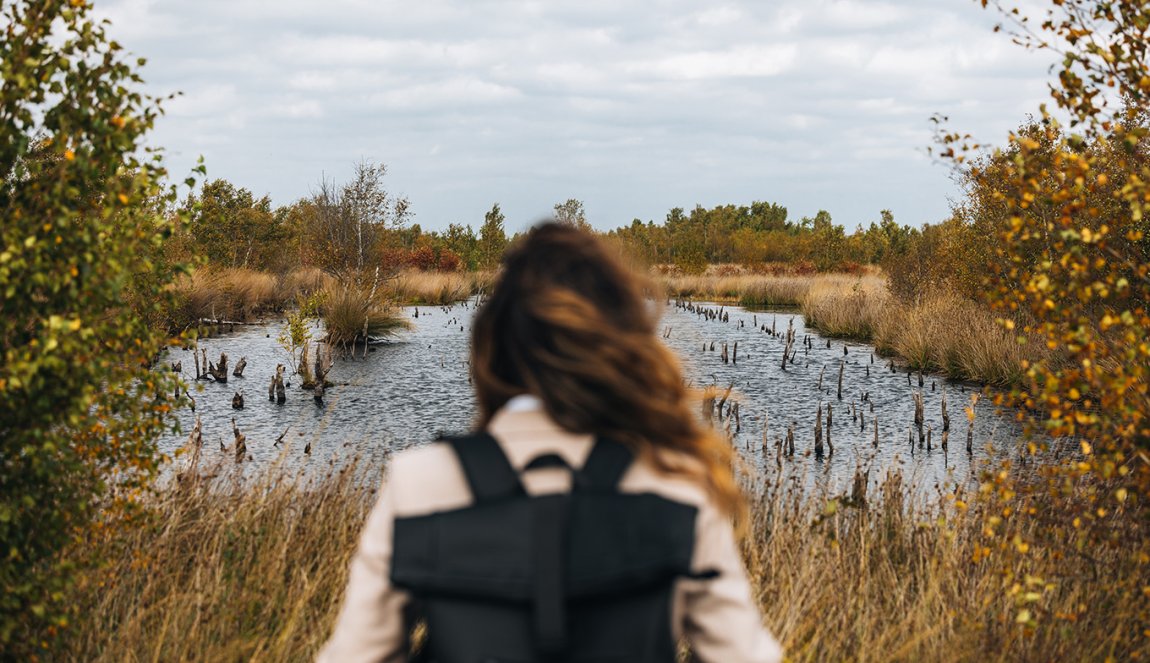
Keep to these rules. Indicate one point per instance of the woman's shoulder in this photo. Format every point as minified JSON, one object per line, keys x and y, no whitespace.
{"x":669,"y":474}
{"x":430,"y":478}
{"x":426,"y":479}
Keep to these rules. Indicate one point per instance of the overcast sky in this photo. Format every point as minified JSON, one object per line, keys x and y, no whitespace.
{"x":632,"y":107}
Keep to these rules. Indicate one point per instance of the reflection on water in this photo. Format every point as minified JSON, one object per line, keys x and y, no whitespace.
{"x":406,"y":392}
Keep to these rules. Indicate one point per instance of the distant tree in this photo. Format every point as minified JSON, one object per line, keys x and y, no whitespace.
{"x":492,"y":239}
{"x":351,"y":223}
{"x":571,"y":213}
{"x":461,"y":241}
{"x":232,"y":228}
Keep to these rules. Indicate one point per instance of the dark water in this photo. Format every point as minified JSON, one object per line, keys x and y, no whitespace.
{"x":405,"y":392}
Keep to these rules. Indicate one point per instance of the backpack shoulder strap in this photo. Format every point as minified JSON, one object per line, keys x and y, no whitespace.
{"x":605,"y":465}
{"x":489,"y":473}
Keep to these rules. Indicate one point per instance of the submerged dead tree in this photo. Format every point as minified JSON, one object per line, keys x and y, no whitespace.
{"x":241,"y":449}
{"x":304,"y":369}
{"x":789,"y":343}
{"x":945,"y":414}
{"x":276,"y":391}
{"x":819,"y":431}
{"x":219,"y":371}
{"x":323,"y":363}
{"x":970,"y":412}
{"x":919,"y":418}
{"x":830,"y":445}
{"x":240,"y":366}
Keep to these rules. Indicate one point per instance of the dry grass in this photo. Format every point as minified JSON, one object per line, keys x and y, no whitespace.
{"x":846,"y":306}
{"x":354,"y":312}
{"x":222,"y":571}
{"x":942,"y":333}
{"x":894,"y":580}
{"x":955,"y":336}
{"x":438,"y":288}
{"x":241,"y":294}
{"x":746,"y":289}
{"x":254,"y":571}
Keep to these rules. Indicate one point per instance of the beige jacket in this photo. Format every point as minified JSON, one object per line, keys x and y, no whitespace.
{"x":718,"y":617}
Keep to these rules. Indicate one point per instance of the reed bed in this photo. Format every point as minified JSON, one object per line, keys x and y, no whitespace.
{"x":240,"y":295}
{"x":755,"y":290}
{"x":889,"y":577}
{"x":438,"y":288}
{"x":846,"y":306}
{"x":957,"y":337}
{"x":254,"y":570}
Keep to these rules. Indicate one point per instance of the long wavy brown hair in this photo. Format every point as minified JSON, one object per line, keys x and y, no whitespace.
{"x":569,"y":323}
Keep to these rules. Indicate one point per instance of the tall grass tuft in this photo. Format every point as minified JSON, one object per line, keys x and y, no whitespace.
{"x":355,"y":312}
{"x":890,"y":577}
{"x":231,"y":570}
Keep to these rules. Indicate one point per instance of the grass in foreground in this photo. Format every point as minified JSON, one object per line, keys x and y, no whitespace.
{"x":255,"y":571}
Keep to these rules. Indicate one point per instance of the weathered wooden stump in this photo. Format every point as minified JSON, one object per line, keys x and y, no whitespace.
{"x":219,"y":372}
{"x":241,"y":450}
{"x":819,"y":431}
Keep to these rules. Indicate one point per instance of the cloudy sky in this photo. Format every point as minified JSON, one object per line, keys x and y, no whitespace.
{"x":632,"y":107}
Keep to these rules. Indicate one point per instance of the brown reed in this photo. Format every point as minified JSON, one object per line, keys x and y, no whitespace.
{"x":231,"y":570}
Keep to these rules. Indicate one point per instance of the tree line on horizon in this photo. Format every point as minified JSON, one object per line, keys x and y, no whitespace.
{"x":358,"y":224}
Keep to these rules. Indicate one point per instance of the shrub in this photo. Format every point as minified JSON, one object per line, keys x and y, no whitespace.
{"x":449,"y":261}
{"x":83,"y":274}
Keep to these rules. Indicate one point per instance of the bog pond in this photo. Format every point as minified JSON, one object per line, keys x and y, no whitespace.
{"x":407,"y":391}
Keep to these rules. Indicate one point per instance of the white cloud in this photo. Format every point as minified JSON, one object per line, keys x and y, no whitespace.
{"x":635,"y":106}
{"x":736,"y":62}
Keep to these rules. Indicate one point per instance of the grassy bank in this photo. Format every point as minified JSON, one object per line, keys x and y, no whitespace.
{"x":941,"y":333}
{"x":244,"y":295}
{"x":241,"y":295}
{"x":255,"y":571}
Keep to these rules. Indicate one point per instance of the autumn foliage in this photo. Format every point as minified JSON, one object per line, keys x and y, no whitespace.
{"x":1067,"y":202}
{"x":84,"y":280}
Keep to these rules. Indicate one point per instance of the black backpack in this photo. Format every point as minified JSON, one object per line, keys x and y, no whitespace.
{"x":579,"y":577}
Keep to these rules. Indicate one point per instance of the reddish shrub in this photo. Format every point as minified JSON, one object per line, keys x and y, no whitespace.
{"x":422,"y":258}
{"x":449,"y":261}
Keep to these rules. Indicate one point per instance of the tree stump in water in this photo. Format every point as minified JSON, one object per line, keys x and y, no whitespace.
{"x":830,"y":445}
{"x":241,"y":449}
{"x":238,"y":401}
{"x":219,"y":372}
{"x":918,"y":416}
{"x":240,"y":366}
{"x":819,"y":431}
